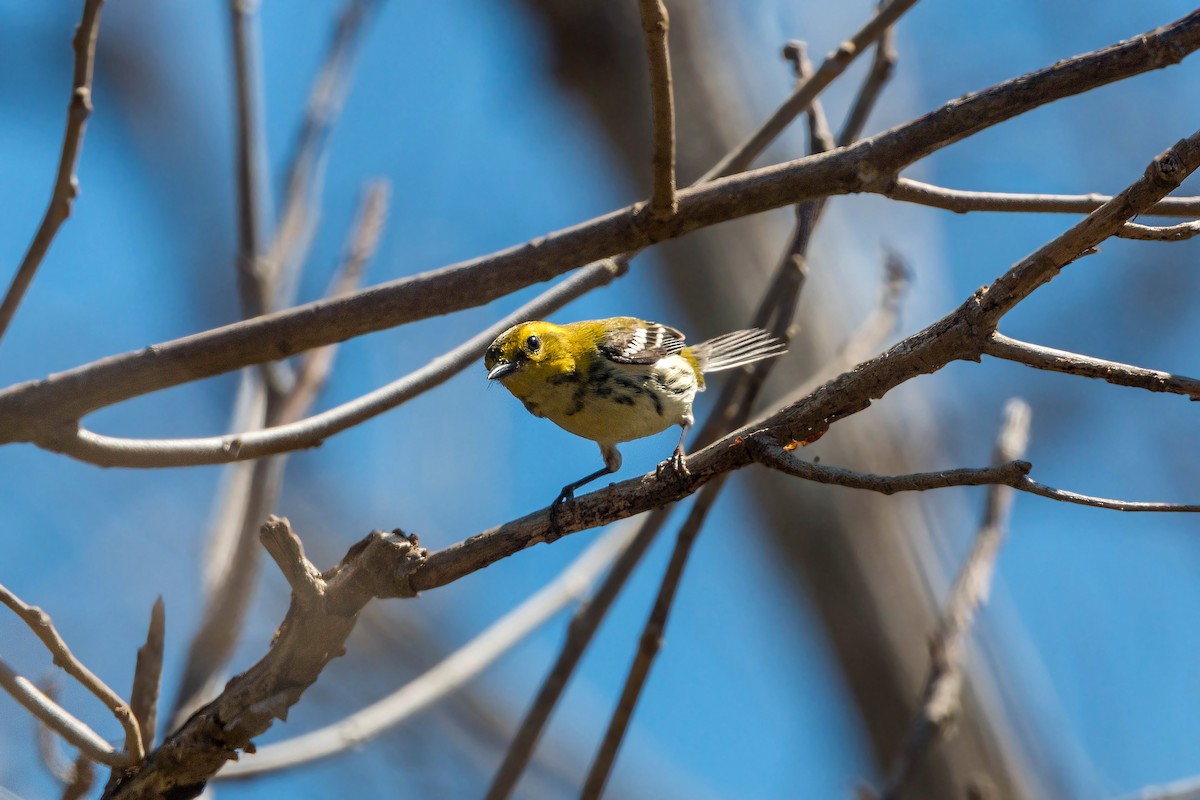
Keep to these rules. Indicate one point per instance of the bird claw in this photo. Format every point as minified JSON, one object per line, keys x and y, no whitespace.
{"x":676,"y":465}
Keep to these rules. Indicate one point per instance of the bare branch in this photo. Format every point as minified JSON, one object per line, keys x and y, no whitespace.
{"x":286,"y":548}
{"x":253,"y":199}
{"x":39,"y":622}
{"x":27,"y":410}
{"x":364,"y":241}
{"x":579,"y":635}
{"x":66,"y":185}
{"x":882,"y":66}
{"x":1000,"y":346}
{"x":233,"y":561}
{"x":306,"y":165}
{"x":60,"y":720}
{"x":941,"y":695}
{"x":312,"y":431}
{"x":1152,"y":233}
{"x":833,"y":66}
{"x":655,"y":24}
{"x":1013,"y":473}
{"x":962,"y":202}
{"x":448,"y":675}
{"x":649,"y":644}
{"x":147,"y":675}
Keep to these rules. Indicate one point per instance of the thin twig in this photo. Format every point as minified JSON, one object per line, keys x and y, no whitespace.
{"x":865,"y":166}
{"x":882,"y":67}
{"x":39,"y":622}
{"x":833,"y":66}
{"x":254,"y":285}
{"x":60,"y":720}
{"x":287,"y":550}
{"x":1013,"y":473}
{"x":655,"y":24}
{"x":1048,"y":358}
{"x":147,"y":675}
{"x":649,"y":644}
{"x":941,"y":696}
{"x":961,"y":201}
{"x":452,"y":672}
{"x":305,"y":170}
{"x":1155,"y":233}
{"x":66,"y":185}
{"x":314,"y":367}
{"x":583,"y":627}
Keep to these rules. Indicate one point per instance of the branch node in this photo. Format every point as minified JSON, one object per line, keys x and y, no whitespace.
{"x":287,"y":550}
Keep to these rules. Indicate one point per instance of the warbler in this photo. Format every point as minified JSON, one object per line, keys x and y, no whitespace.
{"x":614,"y":380}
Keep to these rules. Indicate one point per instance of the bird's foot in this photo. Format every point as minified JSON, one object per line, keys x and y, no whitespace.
{"x":675,"y":466}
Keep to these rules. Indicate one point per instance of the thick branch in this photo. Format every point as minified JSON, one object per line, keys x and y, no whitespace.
{"x":66,"y":185}
{"x":866,"y":166}
{"x":444,"y":677}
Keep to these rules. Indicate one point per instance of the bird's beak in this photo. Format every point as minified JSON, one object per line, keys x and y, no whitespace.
{"x":501,"y":369}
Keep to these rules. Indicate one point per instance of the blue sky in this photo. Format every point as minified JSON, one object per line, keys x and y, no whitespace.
{"x":1093,"y":616}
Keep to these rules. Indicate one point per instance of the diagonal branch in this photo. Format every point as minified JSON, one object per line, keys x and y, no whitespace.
{"x":940,"y":699}
{"x":60,"y":720}
{"x":444,"y":677}
{"x":655,"y":24}
{"x":866,"y":166}
{"x":66,"y":185}
{"x":39,"y":622}
{"x":833,"y":66}
{"x":1032,"y":355}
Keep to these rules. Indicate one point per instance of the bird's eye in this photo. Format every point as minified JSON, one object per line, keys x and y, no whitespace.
{"x":533,"y":344}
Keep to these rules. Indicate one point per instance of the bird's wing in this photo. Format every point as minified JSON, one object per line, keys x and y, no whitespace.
{"x":641,"y":343}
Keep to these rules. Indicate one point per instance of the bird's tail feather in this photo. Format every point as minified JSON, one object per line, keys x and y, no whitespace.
{"x":737,"y":349}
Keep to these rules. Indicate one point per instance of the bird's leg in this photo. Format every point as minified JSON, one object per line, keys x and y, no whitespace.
{"x":677,"y":462}
{"x":612,"y":463}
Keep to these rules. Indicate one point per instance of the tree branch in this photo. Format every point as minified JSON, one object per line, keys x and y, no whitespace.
{"x":28,"y":411}
{"x":941,"y":697}
{"x":254,"y":285}
{"x":961,"y":202}
{"x":655,"y":24}
{"x":312,"y":431}
{"x":66,"y":185}
{"x":147,"y":675}
{"x":1000,"y":346}
{"x":39,"y":622}
{"x":60,"y":720}
{"x":446,"y":676}
{"x":1153,"y":233}
{"x":833,"y":66}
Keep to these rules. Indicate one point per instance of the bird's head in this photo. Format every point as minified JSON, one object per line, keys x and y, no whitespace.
{"x":530,"y":353}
